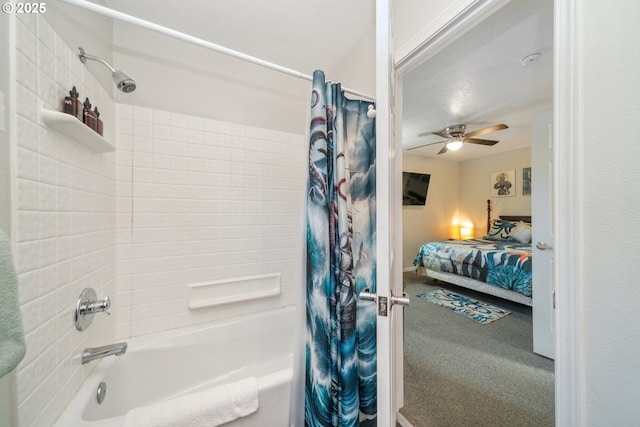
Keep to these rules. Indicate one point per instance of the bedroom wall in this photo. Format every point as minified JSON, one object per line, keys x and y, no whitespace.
{"x":458,"y":193}
{"x":434,"y":220}
{"x":475,"y":186}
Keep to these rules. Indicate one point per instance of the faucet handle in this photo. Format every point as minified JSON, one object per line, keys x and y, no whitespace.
{"x":87,"y":306}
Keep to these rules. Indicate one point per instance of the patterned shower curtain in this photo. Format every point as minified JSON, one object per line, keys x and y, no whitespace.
{"x":340,"y":383}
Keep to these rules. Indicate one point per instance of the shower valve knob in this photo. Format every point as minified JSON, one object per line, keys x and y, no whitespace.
{"x":87,"y":306}
{"x":95,"y":306}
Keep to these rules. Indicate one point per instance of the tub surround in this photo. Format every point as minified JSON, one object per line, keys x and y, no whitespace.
{"x":209,"y":216}
{"x":63,"y":215}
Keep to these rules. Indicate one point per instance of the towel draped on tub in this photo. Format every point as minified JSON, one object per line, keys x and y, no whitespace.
{"x":12,"y":342}
{"x":208,"y":408}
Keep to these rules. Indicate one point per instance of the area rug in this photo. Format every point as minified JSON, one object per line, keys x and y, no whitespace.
{"x":481,"y":312}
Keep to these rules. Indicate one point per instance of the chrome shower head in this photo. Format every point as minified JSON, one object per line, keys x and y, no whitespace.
{"x":124,"y":83}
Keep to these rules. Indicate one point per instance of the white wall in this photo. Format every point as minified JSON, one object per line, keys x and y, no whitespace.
{"x":202,"y":200}
{"x":176,"y":76}
{"x":80,"y":28}
{"x":411,"y":16}
{"x":475,"y":186}
{"x":610,"y":127}
{"x":435,"y":220}
{"x":63,"y":222}
{"x":357,"y":70}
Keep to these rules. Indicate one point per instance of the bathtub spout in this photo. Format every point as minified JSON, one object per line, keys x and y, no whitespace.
{"x":94,"y":353}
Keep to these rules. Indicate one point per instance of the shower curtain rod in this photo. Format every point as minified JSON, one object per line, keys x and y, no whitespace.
{"x":102,"y":10}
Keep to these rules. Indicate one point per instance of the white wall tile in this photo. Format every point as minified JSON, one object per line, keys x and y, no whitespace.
{"x":203,"y":208}
{"x":65,"y":224}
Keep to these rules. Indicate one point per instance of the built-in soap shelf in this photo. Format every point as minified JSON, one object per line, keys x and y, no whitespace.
{"x":220,"y":292}
{"x":71,"y":127}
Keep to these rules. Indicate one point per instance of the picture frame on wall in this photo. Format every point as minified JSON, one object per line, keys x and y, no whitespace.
{"x":503,"y":183}
{"x":526,"y":181}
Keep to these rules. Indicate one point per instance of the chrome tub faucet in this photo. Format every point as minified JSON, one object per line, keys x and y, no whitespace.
{"x":94,"y":353}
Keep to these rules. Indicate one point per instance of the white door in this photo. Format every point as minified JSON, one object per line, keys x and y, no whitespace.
{"x":543,"y":239}
{"x":389,"y":274}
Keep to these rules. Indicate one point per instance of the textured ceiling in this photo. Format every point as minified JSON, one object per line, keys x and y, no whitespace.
{"x":479,"y":80}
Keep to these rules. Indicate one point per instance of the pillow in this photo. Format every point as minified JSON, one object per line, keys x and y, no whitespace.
{"x":521,"y":232}
{"x":500,"y":230}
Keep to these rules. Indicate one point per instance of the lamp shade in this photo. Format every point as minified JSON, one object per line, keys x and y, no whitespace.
{"x":466,"y":232}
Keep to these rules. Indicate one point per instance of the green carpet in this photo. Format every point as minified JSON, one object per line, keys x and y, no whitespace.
{"x":478,"y":311}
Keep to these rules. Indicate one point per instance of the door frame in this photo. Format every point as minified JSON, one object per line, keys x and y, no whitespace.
{"x":568,"y":185}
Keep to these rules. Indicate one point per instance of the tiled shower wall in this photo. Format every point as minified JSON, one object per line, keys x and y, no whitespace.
{"x":182,"y":200}
{"x":63,"y":214}
{"x":200,"y":200}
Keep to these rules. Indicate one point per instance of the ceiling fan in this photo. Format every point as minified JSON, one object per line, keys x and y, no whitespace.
{"x":456,"y":137}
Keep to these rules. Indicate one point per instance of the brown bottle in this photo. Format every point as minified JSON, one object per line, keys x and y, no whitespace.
{"x":88,"y":116}
{"x":72,"y":104}
{"x":98,"y":121}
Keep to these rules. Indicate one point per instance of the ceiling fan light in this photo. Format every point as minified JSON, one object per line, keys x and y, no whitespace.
{"x":454,"y":144}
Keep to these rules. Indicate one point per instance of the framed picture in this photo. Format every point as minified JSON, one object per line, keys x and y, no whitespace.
{"x":503,"y":183}
{"x":526,"y":181}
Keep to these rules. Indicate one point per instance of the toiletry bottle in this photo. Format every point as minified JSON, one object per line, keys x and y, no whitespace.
{"x":72,"y":104}
{"x":89,"y":118}
{"x":98,"y":120}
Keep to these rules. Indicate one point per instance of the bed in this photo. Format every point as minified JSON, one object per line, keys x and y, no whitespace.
{"x":498,"y":264}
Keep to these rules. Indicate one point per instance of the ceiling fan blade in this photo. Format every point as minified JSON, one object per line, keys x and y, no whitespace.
{"x":489,"y":129}
{"x":480,"y":141}
{"x":425,"y":145}
{"x":439,"y":133}
{"x":443,"y":150}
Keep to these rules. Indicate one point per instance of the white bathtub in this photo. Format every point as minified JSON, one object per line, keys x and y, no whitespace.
{"x":163,"y":366}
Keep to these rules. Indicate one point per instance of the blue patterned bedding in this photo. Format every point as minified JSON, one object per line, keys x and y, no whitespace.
{"x":505,"y":264}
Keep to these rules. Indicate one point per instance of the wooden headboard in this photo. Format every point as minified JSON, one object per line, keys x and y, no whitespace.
{"x":513,"y":218}
{"x":516,"y":218}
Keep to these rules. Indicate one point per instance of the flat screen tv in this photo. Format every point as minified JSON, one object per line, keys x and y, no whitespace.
{"x":414,"y":188}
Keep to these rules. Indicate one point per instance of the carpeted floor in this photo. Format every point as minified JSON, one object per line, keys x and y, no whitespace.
{"x":458,"y":372}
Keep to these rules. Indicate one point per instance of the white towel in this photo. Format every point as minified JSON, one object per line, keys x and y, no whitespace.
{"x":207,"y":408}
{"x":12,"y":342}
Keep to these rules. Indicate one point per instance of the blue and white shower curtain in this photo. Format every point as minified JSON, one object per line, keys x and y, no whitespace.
{"x":340,"y":372}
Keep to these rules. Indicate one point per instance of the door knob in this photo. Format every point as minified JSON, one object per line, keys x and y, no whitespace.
{"x":365,"y":295}
{"x":400,"y":300}
{"x":543,"y":246}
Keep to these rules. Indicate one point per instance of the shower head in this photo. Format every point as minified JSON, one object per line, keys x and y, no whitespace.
{"x":124,"y":83}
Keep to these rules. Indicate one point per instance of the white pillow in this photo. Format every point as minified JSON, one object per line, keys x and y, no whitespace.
{"x":521,"y":232}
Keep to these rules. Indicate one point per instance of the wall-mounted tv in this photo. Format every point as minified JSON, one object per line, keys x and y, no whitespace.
{"x":414,"y":188}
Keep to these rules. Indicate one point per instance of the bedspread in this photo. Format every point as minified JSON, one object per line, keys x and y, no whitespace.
{"x":499,"y":263}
